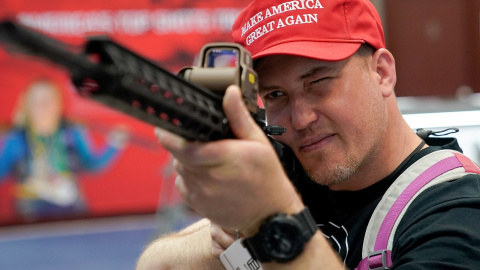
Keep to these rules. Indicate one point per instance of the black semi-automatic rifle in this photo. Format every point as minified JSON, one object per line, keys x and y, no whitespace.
{"x":188,"y":104}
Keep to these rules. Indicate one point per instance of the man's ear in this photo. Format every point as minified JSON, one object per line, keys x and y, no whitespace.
{"x":384,"y":68}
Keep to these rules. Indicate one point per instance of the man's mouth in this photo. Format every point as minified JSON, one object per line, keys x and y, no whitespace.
{"x":317,"y":142}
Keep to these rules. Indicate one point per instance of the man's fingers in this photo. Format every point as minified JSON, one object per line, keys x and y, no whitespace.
{"x":242,"y":124}
{"x":221,"y":238}
{"x":183,"y":150}
{"x":170,"y":141}
{"x":180,"y":186}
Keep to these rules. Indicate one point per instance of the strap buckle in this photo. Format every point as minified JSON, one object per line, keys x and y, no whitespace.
{"x":380,"y":260}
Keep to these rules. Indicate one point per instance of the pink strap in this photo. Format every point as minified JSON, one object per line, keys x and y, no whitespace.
{"x":381,"y":258}
{"x":468,"y":164}
{"x":434,"y":171}
{"x":376,"y":261}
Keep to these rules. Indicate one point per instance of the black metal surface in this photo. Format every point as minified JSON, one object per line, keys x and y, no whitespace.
{"x":146,"y":91}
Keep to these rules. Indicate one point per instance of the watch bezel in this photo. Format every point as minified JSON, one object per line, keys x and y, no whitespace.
{"x":284,"y":229}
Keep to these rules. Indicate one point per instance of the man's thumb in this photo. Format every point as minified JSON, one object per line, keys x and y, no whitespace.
{"x":242,"y":124}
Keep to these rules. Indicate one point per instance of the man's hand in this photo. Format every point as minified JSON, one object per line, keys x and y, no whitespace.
{"x":221,"y":239}
{"x":236,"y":183}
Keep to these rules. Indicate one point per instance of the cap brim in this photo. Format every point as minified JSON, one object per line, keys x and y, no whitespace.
{"x":326,"y":51}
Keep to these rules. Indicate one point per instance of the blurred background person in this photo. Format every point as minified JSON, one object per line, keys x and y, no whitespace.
{"x":44,"y":151}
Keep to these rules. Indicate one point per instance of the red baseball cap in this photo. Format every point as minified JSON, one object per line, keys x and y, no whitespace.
{"x":329,"y":30}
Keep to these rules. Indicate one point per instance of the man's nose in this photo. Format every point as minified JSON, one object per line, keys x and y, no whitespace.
{"x":303,"y":114}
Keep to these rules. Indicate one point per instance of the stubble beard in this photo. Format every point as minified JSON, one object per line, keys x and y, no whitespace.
{"x":337,"y":173}
{"x":340,"y":171}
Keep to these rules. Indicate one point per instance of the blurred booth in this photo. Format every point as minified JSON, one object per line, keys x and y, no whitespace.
{"x":436,"y":45}
{"x":437,"y":114}
{"x":138,"y":178}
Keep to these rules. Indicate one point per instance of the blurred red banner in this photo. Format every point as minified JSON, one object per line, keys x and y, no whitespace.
{"x":171,"y":33}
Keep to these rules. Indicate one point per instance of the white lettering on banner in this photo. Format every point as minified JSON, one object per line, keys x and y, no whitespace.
{"x":64,"y":22}
{"x":182,"y":21}
{"x":288,"y":21}
{"x":132,"y":22}
{"x":224,"y":18}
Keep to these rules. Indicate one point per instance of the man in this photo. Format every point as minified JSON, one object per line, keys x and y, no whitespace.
{"x":326,"y":76}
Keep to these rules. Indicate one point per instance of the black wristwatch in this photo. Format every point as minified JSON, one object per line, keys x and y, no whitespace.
{"x":281,"y":238}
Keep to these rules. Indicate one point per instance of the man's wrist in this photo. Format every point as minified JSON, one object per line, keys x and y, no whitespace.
{"x":281,"y":237}
{"x":251,"y":229}
{"x":294,"y":206}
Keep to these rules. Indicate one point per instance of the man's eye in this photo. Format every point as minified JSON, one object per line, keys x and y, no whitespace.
{"x":319,"y":80}
{"x":273,"y":95}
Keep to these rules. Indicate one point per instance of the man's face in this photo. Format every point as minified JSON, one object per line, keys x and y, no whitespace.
{"x":334,"y":113}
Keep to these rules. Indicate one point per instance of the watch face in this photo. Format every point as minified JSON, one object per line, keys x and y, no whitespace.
{"x":283,"y":240}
